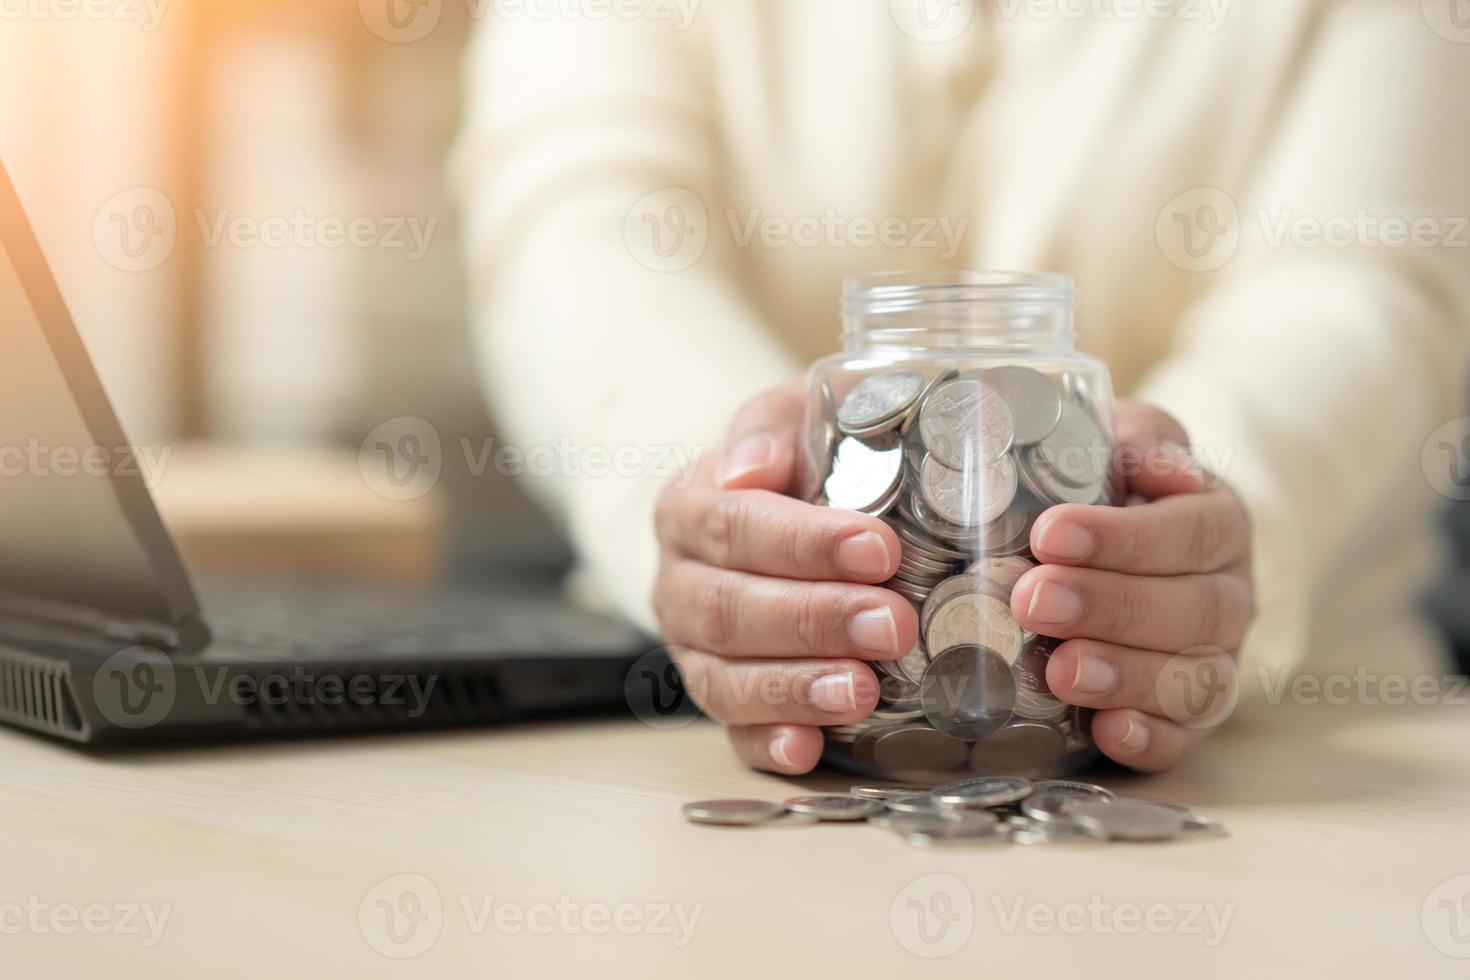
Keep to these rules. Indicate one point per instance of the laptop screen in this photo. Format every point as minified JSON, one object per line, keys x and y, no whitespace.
{"x":79,"y":536}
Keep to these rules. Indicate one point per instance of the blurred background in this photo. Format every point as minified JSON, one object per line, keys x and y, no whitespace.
{"x":188,"y":165}
{"x":192,"y":168}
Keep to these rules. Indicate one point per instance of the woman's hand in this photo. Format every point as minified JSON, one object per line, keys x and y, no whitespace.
{"x":1153,"y":599}
{"x":770,"y":605}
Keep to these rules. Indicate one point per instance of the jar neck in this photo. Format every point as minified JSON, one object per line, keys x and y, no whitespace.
{"x":969,"y":311}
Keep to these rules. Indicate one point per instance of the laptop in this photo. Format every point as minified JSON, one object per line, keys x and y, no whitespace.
{"x":102,"y":637}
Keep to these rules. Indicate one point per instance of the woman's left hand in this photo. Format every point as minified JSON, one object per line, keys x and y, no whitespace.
{"x":1152,"y":599}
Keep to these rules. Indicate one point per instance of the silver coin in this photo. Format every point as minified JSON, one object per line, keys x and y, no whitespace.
{"x":1053,"y":834}
{"x":965,"y":421}
{"x":1040,"y":481}
{"x":887,"y":503}
{"x":1050,"y":808}
{"x":1035,"y":403}
{"x":732,"y":812}
{"x":918,"y":749}
{"x":879,"y":398}
{"x":1077,"y":452}
{"x":821,"y":442}
{"x":968,"y":693}
{"x":1022,"y":747}
{"x":1198,"y":826}
{"x":924,"y":805}
{"x":929,"y":566}
{"x":886,"y":793}
{"x":1034,"y":699}
{"x":791,"y":819}
{"x":1054,"y":804}
{"x":946,"y":590}
{"x":894,"y":688}
{"x":975,"y":619}
{"x":835,"y":808}
{"x":966,"y":827}
{"x":911,"y":417}
{"x":1034,"y":706}
{"x":983,"y":791}
{"x":915,"y":594}
{"x":1127,"y":820}
{"x":1002,"y":572}
{"x":863,"y":478}
{"x":912,"y":665}
{"x":968,"y":499}
{"x":1010,"y":533}
{"x":909,"y":711}
{"x":1030,"y":666}
{"x":913,"y":507}
{"x":917,"y":539}
{"x":1074,"y":787}
{"x":970,"y":823}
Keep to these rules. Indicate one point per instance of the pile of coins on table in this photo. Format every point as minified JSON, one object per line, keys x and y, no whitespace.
{"x":985,"y":809}
{"x":960,"y":465}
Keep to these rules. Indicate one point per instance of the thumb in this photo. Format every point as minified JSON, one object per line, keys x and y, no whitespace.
{"x":760,"y":450}
{"x":1150,"y":458}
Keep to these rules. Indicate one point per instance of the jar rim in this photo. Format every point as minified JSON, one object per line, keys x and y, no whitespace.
{"x":891,"y":292}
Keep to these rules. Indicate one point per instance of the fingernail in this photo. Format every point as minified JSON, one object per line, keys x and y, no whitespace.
{"x":747,"y":455}
{"x":834,"y":692}
{"x":781,"y":750}
{"x":1094,"y":676}
{"x":1135,"y":739}
{"x":874,"y":630}
{"x":1067,"y":540}
{"x":1052,"y":603}
{"x":863,"y":555}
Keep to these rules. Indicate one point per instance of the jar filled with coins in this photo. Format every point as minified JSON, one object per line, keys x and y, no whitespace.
{"x":958,"y":411}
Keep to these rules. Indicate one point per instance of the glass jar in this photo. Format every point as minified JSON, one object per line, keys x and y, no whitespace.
{"x":958,"y":411}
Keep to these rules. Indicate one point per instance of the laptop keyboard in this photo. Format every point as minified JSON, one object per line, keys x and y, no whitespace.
{"x":273,"y":619}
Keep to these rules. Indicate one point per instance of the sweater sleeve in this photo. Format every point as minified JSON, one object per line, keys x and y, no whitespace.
{"x":1332,"y":341}
{"x":611,"y":325}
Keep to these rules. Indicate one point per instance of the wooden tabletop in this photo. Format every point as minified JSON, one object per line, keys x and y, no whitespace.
{"x":559,"y":851}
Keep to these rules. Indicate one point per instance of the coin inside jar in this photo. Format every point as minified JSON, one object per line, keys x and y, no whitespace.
{"x":1076,"y":453}
{"x":977,"y":619}
{"x":1036,"y":405}
{"x":965,"y":420}
{"x":1002,"y":572}
{"x":1025,"y":747}
{"x":960,"y":460}
{"x":970,"y":498}
{"x":879,"y":399}
{"x":863,"y":478}
{"x":821,"y":442}
{"x":968,"y":693}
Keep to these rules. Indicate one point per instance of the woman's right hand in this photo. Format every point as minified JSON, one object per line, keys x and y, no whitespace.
{"x":769,"y":604}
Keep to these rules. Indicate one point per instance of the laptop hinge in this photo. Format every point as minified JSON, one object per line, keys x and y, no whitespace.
{"x":40,"y":613}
